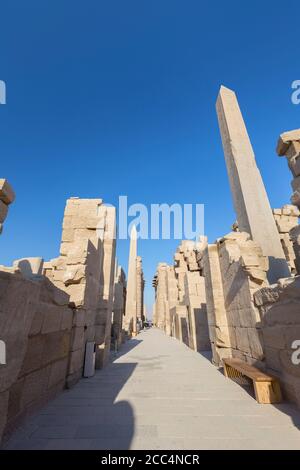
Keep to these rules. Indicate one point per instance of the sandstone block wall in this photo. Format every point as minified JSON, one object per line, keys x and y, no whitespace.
{"x":219,"y":332}
{"x":49,"y":310}
{"x":243,"y":271}
{"x":234,"y":268}
{"x":180,"y":308}
{"x":85,"y":270}
{"x":279,"y":307}
{"x":35,"y":324}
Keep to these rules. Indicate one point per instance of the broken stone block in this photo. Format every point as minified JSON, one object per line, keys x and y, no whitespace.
{"x":285,"y":141}
{"x":295,"y":238}
{"x":7,"y":194}
{"x":74,"y":274}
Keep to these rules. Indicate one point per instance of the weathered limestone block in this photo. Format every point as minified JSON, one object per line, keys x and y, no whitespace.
{"x":219,"y":332}
{"x":279,"y":307}
{"x":7,"y":194}
{"x":18,"y":296}
{"x":74,"y":274}
{"x":285,"y":141}
{"x":286,"y":220}
{"x":31,"y":325}
{"x":243,"y":269}
{"x":85,"y":270}
{"x":289,"y":146}
{"x":180,"y":303}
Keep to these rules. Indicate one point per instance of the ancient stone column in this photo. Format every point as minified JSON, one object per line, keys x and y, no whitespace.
{"x":160,"y":284}
{"x":119,"y":306}
{"x":106,"y":232}
{"x":131,"y":300}
{"x":289,"y":146}
{"x":216,"y":312}
{"x":254,"y":214}
{"x":172,"y":296}
{"x":140,"y":284}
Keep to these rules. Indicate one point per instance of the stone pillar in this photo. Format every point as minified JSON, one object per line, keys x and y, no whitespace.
{"x":160,"y":283}
{"x":119,"y":306}
{"x":289,"y":146}
{"x":139,"y":292}
{"x":243,"y":269}
{"x":191,"y":293}
{"x":254,"y":214}
{"x":154,"y":319}
{"x":106,"y":232}
{"x":131,"y":300}
{"x":85,"y":270}
{"x":172,"y":296}
{"x":286,"y":220}
{"x":216,"y":311}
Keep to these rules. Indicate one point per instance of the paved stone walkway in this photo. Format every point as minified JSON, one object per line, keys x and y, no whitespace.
{"x":158,"y":394}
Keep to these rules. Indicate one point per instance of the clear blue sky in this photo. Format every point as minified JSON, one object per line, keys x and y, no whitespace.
{"x":106,"y":98}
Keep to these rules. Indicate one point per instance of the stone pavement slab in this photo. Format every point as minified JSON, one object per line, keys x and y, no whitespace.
{"x":158,"y":394}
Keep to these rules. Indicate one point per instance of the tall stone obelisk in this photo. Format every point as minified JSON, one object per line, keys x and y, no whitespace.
{"x":131,"y":298}
{"x":252,"y":207}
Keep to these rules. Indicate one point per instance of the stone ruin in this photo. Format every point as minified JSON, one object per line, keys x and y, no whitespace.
{"x":50,"y":311}
{"x":134,"y":308}
{"x":240,"y":296}
{"x":180,"y":304}
{"x":118,"y":307}
{"x":237,"y":297}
